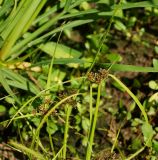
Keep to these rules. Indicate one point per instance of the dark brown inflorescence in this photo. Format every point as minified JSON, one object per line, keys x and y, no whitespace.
{"x":64,"y":94}
{"x":97,"y":77}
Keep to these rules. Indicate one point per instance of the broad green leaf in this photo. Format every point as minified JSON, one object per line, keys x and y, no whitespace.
{"x":156,"y":49}
{"x":155,"y":63}
{"x":85,"y":124}
{"x":148,"y":133}
{"x":136,"y":144}
{"x":154,"y":98}
{"x":120,"y":26}
{"x":2,"y":109}
{"x":114,"y":57}
{"x":62,"y":51}
{"x":155,"y":145}
{"x":36,"y":121}
{"x":51,"y":127}
{"x":153,"y":85}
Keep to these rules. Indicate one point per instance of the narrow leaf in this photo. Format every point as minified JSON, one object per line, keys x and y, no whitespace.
{"x":128,"y":68}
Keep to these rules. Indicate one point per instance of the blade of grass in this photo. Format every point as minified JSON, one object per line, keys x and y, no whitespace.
{"x":59,"y":152}
{"x":8,"y":25}
{"x":59,"y":61}
{"x":67,"y":5}
{"x":68,"y":113}
{"x":29,"y":10}
{"x":51,"y":11}
{"x":136,"y":153}
{"x":17,"y":49}
{"x":6,"y":87}
{"x":51,"y":65}
{"x":27,"y":150}
{"x":129,"y":5}
{"x":40,"y":30}
{"x":132,"y":95}
{"x":80,"y":13}
{"x":34,"y":15}
{"x":128,"y":68}
{"x":16,"y":80}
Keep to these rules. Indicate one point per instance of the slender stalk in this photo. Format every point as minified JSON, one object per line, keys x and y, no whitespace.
{"x":47,"y":115}
{"x":51,"y":143}
{"x":68,"y":113}
{"x":91,"y":138}
{"x":91,"y":103}
{"x":136,"y":153}
{"x":132,"y":95}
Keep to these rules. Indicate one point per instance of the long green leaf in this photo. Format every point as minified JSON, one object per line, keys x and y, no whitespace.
{"x":18,"y":81}
{"x":23,"y":43}
{"x":60,"y":61}
{"x":31,"y":9}
{"x":127,"y":68}
{"x":6,"y":6}
{"x":9,"y":24}
{"x":67,"y":5}
{"x":61,"y":50}
{"x":136,"y":5}
{"x":17,"y":49}
{"x":27,"y":150}
{"x":6,"y":86}
{"x":141,"y":107}
{"x":80,"y":13}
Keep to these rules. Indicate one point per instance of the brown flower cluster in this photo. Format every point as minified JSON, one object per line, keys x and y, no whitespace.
{"x":43,"y":108}
{"x":65,"y":94}
{"x":97,"y":77}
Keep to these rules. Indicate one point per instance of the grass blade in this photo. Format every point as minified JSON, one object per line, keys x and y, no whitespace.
{"x":17,"y":49}
{"x":6,"y":86}
{"x":27,"y":150}
{"x":136,"y":5}
{"x":128,"y":68}
{"x":132,"y":95}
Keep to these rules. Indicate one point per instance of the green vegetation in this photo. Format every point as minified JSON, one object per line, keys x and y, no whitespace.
{"x":78,"y":79}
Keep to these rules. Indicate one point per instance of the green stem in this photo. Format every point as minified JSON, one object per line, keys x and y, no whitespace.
{"x":47,"y":115}
{"x":91,"y":138}
{"x":68,"y":113}
{"x":136,"y":153}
